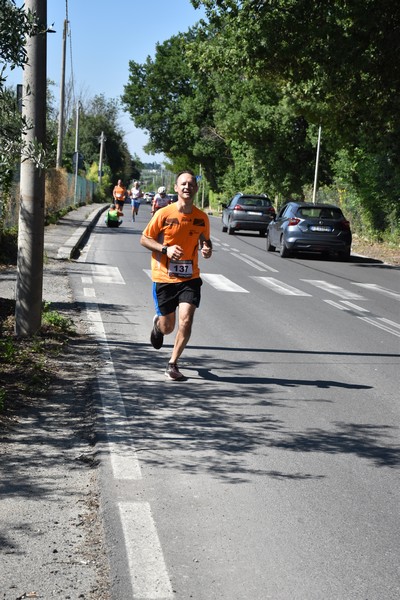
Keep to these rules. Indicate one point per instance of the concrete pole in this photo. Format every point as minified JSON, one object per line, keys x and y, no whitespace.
{"x":29,"y":285}
{"x":60,"y":137}
{"x":102,"y":140}
{"x":76,"y":151}
{"x":316,"y":166}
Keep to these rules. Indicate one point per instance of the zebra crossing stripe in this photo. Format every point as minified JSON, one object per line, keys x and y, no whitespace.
{"x":217,"y":281}
{"x":222,"y":283}
{"x":381,"y":290}
{"x":279,"y":287}
{"x":334,"y":289}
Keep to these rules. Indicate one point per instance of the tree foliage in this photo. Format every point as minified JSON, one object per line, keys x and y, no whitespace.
{"x":335,"y":63}
{"x":15,"y":25}
{"x":97,"y":115}
{"x":244,"y":93}
{"x":165,"y":97}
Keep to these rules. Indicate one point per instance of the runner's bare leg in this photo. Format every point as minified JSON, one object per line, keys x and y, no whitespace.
{"x":185,"y":321}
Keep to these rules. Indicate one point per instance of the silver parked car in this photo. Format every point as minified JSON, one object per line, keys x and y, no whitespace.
{"x":308,"y":227}
{"x":249,"y":212}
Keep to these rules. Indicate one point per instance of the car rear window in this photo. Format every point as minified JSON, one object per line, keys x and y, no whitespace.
{"x":318,"y":212}
{"x":254,"y":201}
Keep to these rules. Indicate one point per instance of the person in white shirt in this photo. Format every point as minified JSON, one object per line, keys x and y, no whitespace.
{"x":136,"y":194}
{"x":160,"y":200}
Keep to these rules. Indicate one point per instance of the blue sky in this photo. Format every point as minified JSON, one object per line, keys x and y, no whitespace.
{"x":105,"y":35}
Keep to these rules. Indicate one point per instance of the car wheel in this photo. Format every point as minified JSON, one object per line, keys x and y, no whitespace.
{"x":231,"y":231}
{"x":284,"y":250}
{"x":270,"y":247}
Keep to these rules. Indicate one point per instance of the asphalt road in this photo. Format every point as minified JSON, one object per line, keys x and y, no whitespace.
{"x":273,"y":471}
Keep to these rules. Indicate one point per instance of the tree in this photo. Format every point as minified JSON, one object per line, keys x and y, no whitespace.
{"x":97,"y":115}
{"x":15,"y":24}
{"x":167,"y":98}
{"x":334,"y":62}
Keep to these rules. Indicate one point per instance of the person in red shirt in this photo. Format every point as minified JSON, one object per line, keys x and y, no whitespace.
{"x":174,"y":236}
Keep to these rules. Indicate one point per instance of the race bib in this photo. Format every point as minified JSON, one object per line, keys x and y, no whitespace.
{"x":180,"y":268}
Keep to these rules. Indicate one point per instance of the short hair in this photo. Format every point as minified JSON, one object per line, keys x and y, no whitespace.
{"x":189,"y":171}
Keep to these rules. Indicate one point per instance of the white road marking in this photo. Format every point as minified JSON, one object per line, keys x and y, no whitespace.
{"x":380,"y":323}
{"x":149,"y":575}
{"x":222,"y":283}
{"x":124,"y":461}
{"x":381,"y":290}
{"x":253,"y":262}
{"x":389,"y":322}
{"x":106,"y":274}
{"x":354,"y":306}
{"x":334,"y":289}
{"x":279,"y":287}
{"x":337,"y":305}
{"x":219,"y":282}
{"x":89,"y":292}
{"x":87,"y":280}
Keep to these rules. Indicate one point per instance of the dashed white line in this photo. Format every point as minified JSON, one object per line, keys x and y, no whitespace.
{"x":89,"y":292}
{"x":149,"y":576}
{"x":107,"y":274}
{"x":123,"y":458}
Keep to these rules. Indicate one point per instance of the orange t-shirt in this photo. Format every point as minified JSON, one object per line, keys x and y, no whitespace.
{"x":170,"y":227}
{"x":119,"y":192}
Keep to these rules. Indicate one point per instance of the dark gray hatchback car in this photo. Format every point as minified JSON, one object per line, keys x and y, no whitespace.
{"x":307,"y":227}
{"x":248,"y":212}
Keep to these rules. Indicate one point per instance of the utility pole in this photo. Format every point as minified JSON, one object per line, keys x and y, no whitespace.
{"x":76,"y":153}
{"x":102,"y":140}
{"x":29,"y":285}
{"x":60,"y":137}
{"x":316,"y":165}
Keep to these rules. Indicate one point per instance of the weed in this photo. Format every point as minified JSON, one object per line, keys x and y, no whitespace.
{"x":3,"y":395}
{"x":8,"y":349}
{"x":55,"y":319}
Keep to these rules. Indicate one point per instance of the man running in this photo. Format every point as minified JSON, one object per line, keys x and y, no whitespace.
{"x":174,"y":235}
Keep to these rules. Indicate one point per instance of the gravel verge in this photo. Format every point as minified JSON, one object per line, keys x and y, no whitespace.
{"x":51,"y":535}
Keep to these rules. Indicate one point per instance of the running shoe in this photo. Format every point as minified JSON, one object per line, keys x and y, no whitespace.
{"x":173,"y":374}
{"x":156,"y":337}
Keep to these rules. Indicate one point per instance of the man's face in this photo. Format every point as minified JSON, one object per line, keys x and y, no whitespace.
{"x":186,"y":186}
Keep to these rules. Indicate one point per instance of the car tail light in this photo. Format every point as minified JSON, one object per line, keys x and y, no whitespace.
{"x":271,"y":210}
{"x":293,"y":221}
{"x":238,"y":207}
{"x":345,"y":224}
